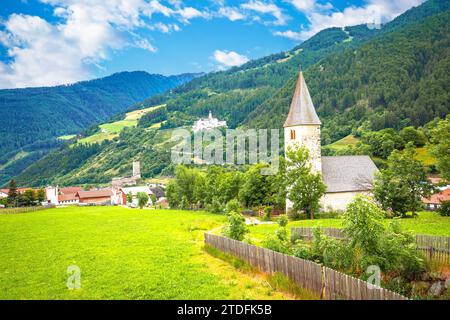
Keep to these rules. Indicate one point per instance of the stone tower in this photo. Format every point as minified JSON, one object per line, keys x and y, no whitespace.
{"x":302,"y":126}
{"x":136,"y":169}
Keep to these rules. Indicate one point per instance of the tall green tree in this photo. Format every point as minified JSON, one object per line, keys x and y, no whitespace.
{"x":142,"y":199}
{"x":401,"y":186}
{"x":305,"y":186}
{"x":12,"y":193}
{"x":440,"y":146}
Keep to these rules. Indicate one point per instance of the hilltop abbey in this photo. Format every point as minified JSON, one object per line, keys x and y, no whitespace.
{"x":344,"y":176}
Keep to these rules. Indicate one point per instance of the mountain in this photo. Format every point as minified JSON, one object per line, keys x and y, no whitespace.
{"x":390,"y":77}
{"x":31,"y":119}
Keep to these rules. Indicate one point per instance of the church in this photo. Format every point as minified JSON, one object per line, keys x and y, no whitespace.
{"x":344,"y":176}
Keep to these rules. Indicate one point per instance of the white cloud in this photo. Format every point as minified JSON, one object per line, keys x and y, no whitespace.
{"x":43,"y":53}
{"x":189,"y":13}
{"x":233,"y":14}
{"x":266,"y":8}
{"x":229,"y":58}
{"x":145,"y":44}
{"x":322,"y":17}
{"x":303,"y":5}
{"x":296,"y":36}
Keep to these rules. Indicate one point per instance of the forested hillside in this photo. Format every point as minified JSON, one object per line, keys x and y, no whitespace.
{"x":31,"y":119}
{"x":358,"y":77}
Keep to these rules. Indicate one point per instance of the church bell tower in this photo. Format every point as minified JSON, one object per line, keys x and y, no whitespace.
{"x":302,"y":126}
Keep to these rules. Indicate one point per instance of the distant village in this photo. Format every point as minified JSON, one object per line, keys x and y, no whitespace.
{"x":123,"y":191}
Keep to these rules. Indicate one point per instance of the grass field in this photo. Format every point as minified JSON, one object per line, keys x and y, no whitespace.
{"x":426,"y":223}
{"x":344,"y":142}
{"x":122,"y":254}
{"x":110,"y":130}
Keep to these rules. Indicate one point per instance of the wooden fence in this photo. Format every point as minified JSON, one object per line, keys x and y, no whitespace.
{"x":22,"y":210}
{"x":325,"y":282}
{"x":436,"y":248}
{"x":305,"y":232}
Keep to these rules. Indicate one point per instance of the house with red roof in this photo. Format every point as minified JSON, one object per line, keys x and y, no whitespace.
{"x":434,"y":202}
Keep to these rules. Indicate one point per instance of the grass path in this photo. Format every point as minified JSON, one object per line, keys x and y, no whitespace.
{"x":122,"y":254}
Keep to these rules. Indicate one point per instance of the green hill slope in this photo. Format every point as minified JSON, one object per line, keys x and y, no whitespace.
{"x":31,"y":119}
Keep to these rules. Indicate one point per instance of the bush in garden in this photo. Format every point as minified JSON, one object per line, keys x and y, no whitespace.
{"x":399,"y":252}
{"x":235,"y":227}
{"x":233,"y":205}
{"x":302,"y":251}
{"x":215,"y":206}
{"x":283,"y":221}
{"x":296,"y":215}
{"x":267,"y":214}
{"x":273,"y":242}
{"x":279,"y":241}
{"x":332,"y":252}
{"x":444,"y":209}
{"x":363,"y":224}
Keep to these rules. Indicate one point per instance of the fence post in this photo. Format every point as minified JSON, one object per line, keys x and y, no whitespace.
{"x":322,"y":279}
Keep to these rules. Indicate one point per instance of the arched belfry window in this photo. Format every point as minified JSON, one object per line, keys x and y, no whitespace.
{"x":292,"y":134}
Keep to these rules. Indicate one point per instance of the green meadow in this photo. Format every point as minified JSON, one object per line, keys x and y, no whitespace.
{"x":111,"y":130}
{"x":122,"y":254}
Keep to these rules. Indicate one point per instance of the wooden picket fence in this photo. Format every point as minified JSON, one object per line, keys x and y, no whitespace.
{"x":436,"y":248}
{"x":22,"y":210}
{"x":325,"y":282}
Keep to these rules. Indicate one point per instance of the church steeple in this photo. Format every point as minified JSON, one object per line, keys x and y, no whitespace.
{"x":302,"y":111}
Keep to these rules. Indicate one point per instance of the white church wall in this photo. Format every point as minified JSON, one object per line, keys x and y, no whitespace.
{"x":308,"y":136}
{"x":339,"y":200}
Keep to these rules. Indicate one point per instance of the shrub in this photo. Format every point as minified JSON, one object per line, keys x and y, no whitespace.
{"x":444,"y":209}
{"x":235,"y":227}
{"x":215,"y":206}
{"x":296,"y":215}
{"x":273,"y":242}
{"x":363,"y":224}
{"x":232,"y":205}
{"x":142,"y":199}
{"x":283,"y":221}
{"x":267,"y":214}
{"x":302,"y":251}
{"x":279,"y":241}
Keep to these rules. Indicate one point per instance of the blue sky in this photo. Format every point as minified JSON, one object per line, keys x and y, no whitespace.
{"x":51,"y":42}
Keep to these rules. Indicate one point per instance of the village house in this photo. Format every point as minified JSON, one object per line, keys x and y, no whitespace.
{"x":434,"y":202}
{"x":77,"y":196}
{"x":96,"y":197}
{"x":134,"y":192}
{"x":3,"y":193}
{"x":344,"y":176}
{"x":208,"y":123}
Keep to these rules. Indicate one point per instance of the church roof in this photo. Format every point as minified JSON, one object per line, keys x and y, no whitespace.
{"x":302,"y":109}
{"x":348,"y":173}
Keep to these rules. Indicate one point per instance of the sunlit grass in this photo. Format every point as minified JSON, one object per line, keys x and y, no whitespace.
{"x":122,"y":254}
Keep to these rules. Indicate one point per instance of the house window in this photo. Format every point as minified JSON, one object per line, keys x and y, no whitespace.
{"x":292,"y":134}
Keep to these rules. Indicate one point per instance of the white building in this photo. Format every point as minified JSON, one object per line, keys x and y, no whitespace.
{"x":134,"y":191}
{"x":344,"y":176}
{"x":208,"y":123}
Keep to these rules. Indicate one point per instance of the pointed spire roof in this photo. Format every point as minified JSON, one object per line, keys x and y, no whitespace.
{"x":302,"y":109}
